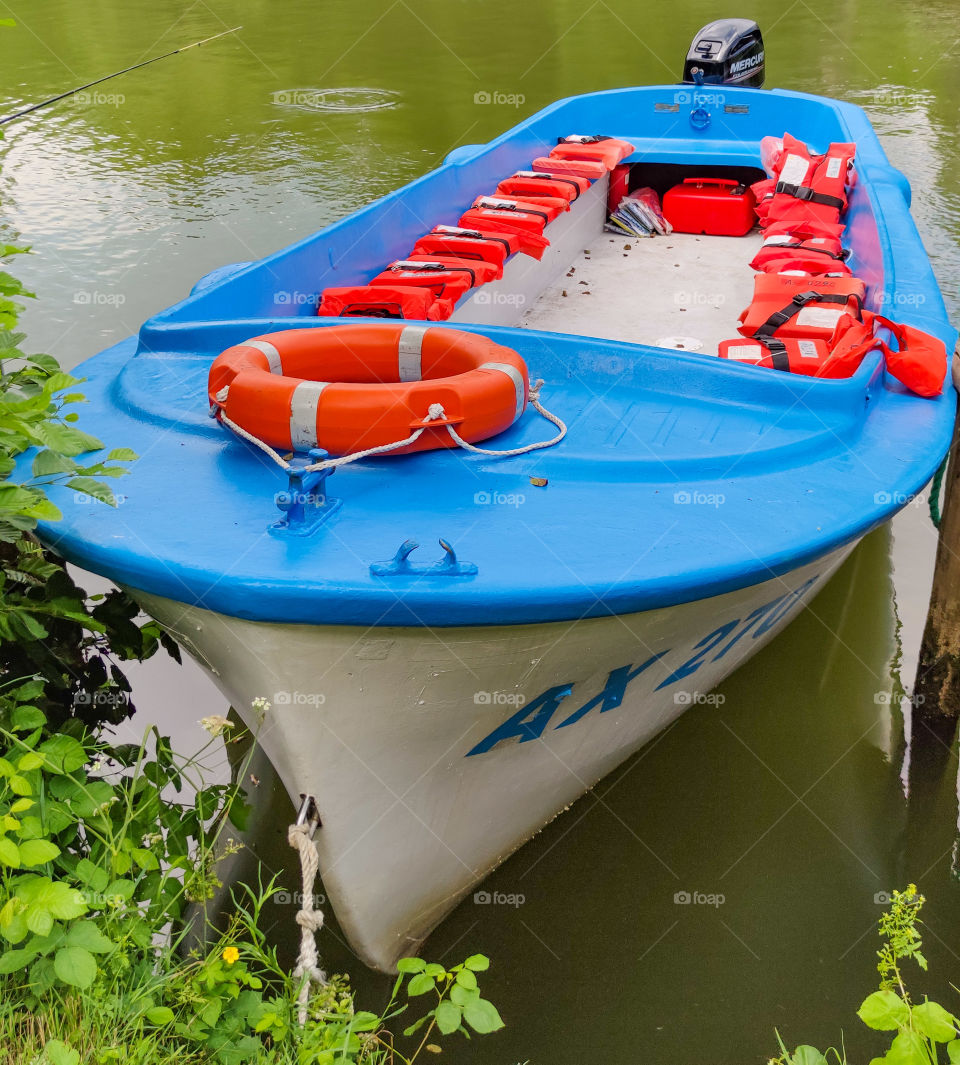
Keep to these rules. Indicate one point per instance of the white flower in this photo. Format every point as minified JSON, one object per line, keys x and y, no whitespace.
{"x":261,"y":707}
{"x":216,"y":724}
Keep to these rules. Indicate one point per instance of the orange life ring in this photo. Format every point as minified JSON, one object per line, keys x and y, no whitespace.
{"x":352,"y":387}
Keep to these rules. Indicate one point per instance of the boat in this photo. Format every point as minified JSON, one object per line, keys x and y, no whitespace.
{"x":455,"y":645}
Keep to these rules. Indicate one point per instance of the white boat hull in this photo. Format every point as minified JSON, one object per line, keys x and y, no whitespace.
{"x":403,"y":735}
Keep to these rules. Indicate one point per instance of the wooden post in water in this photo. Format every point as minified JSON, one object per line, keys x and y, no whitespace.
{"x":936,"y":693}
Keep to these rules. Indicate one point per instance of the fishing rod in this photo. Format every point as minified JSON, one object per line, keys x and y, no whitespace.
{"x":126,"y":70}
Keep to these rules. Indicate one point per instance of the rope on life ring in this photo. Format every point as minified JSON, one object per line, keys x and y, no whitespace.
{"x":434,"y":413}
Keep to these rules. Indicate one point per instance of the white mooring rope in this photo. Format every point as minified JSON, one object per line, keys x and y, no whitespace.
{"x":307,"y":969}
{"x":434,"y":413}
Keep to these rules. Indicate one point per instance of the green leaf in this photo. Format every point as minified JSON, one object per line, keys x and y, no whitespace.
{"x":31,"y":760}
{"x":20,"y":805}
{"x":908,"y":1048}
{"x":13,"y":960}
{"x":37,"y":852}
{"x":87,"y":935}
{"x":807,"y":1055}
{"x":933,"y":1021}
{"x":58,"y":1053}
{"x":64,"y":753}
{"x":9,"y":853}
{"x":477,"y":963}
{"x":466,"y":978}
{"x":25,"y":718}
{"x":482,"y":1016}
{"x":953,"y":1051}
{"x":365,"y":1021}
{"x":48,"y":463}
{"x":160,"y":1015}
{"x":19,"y":785}
{"x":420,"y":984}
{"x":75,"y":966}
{"x":91,"y":875}
{"x":147,"y":860}
{"x":66,"y":439}
{"x":411,"y":965}
{"x":94,"y":488}
{"x":448,"y":1017}
{"x":122,"y":454}
{"x":461,"y":995}
{"x":884,"y":1011}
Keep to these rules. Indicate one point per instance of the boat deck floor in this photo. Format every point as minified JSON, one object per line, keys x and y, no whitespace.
{"x":680,"y":291}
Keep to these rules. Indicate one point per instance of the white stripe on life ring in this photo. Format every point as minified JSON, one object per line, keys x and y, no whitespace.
{"x":409,"y":349}
{"x":303,"y":414}
{"x":514,"y":374}
{"x":273,"y":356}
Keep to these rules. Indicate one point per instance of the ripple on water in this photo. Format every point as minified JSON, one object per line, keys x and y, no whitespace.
{"x":344,"y":100}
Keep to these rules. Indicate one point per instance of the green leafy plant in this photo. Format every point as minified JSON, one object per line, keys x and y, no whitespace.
{"x":921,"y":1028}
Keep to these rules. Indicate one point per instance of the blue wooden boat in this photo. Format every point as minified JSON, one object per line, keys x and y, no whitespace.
{"x":443,"y":702}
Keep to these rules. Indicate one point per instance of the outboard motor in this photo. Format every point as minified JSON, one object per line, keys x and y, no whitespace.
{"x":726,"y":52}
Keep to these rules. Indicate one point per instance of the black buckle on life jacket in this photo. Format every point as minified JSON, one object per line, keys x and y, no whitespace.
{"x":438,"y":268}
{"x":796,"y":305}
{"x":804,"y":192}
{"x":593,"y":138}
{"x":534,"y":175}
{"x":488,"y":206}
{"x":779,"y":359}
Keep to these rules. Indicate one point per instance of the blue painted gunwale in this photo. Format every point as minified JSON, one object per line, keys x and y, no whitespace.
{"x":794,"y":467}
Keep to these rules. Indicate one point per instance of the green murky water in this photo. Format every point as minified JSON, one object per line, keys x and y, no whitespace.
{"x":796,"y":799}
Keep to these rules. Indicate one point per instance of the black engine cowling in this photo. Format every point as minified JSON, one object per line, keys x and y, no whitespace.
{"x":726,"y":52}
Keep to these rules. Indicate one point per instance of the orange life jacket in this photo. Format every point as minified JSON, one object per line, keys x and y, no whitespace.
{"x":787,"y":243}
{"x":920,"y":361}
{"x":482,"y":271}
{"x":582,"y":168}
{"x":530,"y":183}
{"x":500,"y":229}
{"x":791,"y":355}
{"x":593,"y":148}
{"x":348,"y":388}
{"x":763,"y":194}
{"x":383,"y":301}
{"x":811,"y":187}
{"x":487,"y":210}
{"x":787,"y":305}
{"x":445,"y":282}
{"x":467,"y":244}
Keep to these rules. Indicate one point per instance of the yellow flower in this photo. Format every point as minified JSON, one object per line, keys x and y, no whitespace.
{"x":230,"y":955}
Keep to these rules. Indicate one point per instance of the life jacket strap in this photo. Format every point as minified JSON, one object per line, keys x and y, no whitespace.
{"x":804,"y":192}
{"x":439,"y":268}
{"x":794,"y":307}
{"x":842,"y":257}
